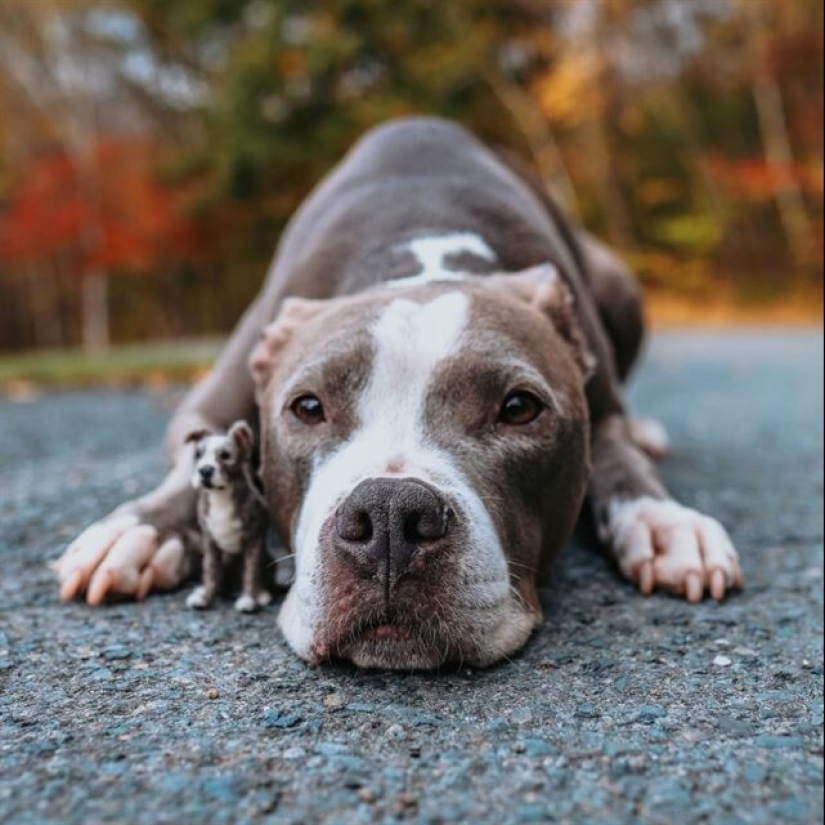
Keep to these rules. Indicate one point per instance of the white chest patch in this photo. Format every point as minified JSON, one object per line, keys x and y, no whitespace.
{"x":432,"y":253}
{"x":223,"y":523}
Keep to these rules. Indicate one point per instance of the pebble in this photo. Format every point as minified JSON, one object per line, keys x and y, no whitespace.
{"x":723,"y":661}
{"x":281,"y":720}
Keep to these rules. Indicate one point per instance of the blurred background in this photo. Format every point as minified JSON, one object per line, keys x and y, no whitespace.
{"x":151,"y":151}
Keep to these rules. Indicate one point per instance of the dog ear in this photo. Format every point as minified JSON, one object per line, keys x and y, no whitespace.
{"x":543,"y":288}
{"x":241,"y":433}
{"x":294,"y":312}
{"x":197,"y":435}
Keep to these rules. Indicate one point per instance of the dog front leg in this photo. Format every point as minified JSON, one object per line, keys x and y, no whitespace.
{"x":202,"y":597}
{"x":253,"y":595}
{"x":657,"y":543}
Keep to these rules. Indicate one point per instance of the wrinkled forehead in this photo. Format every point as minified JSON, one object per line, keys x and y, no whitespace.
{"x":415,"y":335}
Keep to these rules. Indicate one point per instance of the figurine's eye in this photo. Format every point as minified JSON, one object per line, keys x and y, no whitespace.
{"x":224,"y":455}
{"x":309,"y":410}
{"x":520,"y":409}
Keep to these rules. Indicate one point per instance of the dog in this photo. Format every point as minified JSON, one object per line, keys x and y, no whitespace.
{"x":232,"y":514}
{"x":435,"y":369}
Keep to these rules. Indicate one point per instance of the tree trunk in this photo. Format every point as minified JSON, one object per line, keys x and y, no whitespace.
{"x":773,"y":126}
{"x":779,"y":156}
{"x":539,"y":137}
{"x":95,"y":312}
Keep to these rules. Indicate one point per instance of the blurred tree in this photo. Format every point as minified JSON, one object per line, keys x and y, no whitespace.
{"x":687,"y":131}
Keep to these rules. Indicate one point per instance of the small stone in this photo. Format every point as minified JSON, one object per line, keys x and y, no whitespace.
{"x":650,"y":713}
{"x":538,"y":748}
{"x":408,"y":800}
{"x":334,"y":701}
{"x":775,"y":742}
{"x":396,"y":732}
{"x":280,"y":720}
{"x":116,"y":653}
{"x":587,"y":711}
{"x":723,"y":661}
{"x":294,"y":753}
{"x":361,"y":707}
{"x":367,"y":795}
{"x":212,"y":694}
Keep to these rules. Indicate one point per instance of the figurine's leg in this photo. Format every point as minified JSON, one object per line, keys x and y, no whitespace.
{"x":201,"y":597}
{"x":252,"y":595}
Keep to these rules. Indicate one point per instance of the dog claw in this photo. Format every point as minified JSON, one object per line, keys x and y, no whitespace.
{"x":718,"y":585}
{"x":147,"y":579}
{"x":72,"y":586}
{"x":102,"y":584}
{"x":647,"y":578}
{"x":694,"y":589}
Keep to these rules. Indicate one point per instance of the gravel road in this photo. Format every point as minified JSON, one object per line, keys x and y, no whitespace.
{"x":622,"y":709}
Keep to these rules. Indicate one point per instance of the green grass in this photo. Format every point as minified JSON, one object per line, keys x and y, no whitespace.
{"x":133,"y":364}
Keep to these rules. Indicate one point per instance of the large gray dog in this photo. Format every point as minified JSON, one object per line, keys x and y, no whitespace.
{"x":435,"y":365}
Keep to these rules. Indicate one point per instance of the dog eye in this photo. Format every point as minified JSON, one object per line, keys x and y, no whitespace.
{"x":224,"y":455}
{"x":309,"y":410}
{"x":520,"y":409}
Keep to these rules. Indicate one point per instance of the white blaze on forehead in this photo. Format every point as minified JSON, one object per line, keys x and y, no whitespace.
{"x":411,"y":341}
{"x":432,"y":253}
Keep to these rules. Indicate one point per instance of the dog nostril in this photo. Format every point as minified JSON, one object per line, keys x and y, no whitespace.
{"x":354,"y":525}
{"x":207,"y":472}
{"x":426,"y":525}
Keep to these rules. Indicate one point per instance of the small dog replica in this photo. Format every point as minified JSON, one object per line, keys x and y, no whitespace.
{"x":232,"y":514}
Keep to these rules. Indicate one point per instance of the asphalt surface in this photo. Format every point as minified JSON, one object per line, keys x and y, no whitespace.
{"x":621,"y":709}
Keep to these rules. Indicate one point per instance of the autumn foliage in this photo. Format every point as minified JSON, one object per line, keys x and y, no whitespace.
{"x":108,"y":213}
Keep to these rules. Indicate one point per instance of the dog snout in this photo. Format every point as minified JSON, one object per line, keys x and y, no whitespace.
{"x":384,"y":522}
{"x":207,"y":472}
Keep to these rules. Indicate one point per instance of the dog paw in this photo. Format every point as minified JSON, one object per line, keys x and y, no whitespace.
{"x":663,"y":545}
{"x":198,"y":599}
{"x":246,"y":604}
{"x":264,"y":598}
{"x":120,"y":556}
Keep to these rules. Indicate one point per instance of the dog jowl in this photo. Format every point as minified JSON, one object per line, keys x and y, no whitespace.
{"x":423,"y":474}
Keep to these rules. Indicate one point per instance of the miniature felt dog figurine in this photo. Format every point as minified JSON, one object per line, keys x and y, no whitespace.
{"x":232,"y":515}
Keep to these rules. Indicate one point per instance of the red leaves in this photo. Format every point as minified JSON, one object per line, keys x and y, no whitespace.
{"x":107,"y":211}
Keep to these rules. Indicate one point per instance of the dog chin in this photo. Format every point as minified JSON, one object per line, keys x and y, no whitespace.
{"x":395,"y":654}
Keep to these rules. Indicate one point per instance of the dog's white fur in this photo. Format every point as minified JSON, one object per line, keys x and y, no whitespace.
{"x":432,"y":252}
{"x":698,"y":549}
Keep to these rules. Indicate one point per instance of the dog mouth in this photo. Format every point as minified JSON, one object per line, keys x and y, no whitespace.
{"x":387,"y":633}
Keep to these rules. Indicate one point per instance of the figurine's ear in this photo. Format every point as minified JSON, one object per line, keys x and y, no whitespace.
{"x":274,"y":337}
{"x":241,"y":433}
{"x":543,"y":288}
{"x":197,"y":435}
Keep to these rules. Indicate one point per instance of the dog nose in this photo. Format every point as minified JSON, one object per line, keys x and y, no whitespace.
{"x":385,"y":521}
{"x":206,"y":473}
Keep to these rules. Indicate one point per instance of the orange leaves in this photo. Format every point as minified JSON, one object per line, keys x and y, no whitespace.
{"x":756,"y":180}
{"x":104,"y":211}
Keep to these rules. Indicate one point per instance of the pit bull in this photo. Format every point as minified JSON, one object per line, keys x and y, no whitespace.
{"x":435,"y":369}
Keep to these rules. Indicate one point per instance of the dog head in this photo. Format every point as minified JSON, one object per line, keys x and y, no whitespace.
{"x":220,"y":458}
{"x":425,"y":450}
